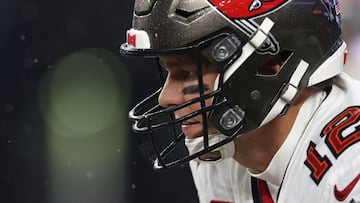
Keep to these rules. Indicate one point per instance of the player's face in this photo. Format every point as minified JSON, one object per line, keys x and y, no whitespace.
{"x":182,"y":85}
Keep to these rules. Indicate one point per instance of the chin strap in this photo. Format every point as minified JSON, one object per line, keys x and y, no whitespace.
{"x":225,"y":151}
{"x":289,"y":92}
{"x":330,"y":68}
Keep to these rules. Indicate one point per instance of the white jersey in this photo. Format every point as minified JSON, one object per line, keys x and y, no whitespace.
{"x":318,"y":162}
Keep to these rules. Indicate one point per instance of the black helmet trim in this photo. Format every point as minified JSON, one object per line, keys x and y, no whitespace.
{"x":137,"y":44}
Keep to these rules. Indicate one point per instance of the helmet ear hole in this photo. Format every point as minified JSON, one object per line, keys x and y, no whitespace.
{"x":274,"y":65}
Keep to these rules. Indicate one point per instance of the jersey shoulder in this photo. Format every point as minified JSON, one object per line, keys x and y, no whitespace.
{"x":333,"y":154}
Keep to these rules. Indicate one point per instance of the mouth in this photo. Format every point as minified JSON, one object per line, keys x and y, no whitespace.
{"x":191,"y":128}
{"x":189,"y":123}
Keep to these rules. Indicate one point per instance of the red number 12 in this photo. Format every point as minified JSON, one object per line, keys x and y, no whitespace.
{"x":340,"y":133}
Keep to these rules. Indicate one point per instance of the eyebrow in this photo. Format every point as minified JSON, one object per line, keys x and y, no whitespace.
{"x":194,"y":89}
{"x":176,"y":63}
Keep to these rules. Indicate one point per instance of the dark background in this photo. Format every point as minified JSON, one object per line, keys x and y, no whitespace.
{"x":33,"y":36}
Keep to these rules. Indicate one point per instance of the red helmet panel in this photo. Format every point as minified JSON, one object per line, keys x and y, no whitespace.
{"x":247,"y":8}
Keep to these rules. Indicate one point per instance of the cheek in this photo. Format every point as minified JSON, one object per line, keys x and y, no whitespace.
{"x":209,"y":81}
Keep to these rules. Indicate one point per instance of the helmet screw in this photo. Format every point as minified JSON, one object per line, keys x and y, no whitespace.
{"x":232,"y":117}
{"x":255,"y":95}
{"x":222,"y":53}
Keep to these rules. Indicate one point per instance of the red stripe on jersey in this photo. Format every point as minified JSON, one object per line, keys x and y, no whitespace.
{"x":265,"y":195}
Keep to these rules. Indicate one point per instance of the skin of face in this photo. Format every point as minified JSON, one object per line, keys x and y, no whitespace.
{"x":182,"y":85}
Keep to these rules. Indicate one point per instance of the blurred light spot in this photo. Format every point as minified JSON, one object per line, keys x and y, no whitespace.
{"x":84,"y":103}
{"x":81,"y":96}
{"x":89,"y":174}
{"x":22,"y":37}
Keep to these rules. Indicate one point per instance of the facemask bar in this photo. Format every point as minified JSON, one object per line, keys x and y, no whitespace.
{"x":146,"y":128}
{"x":202,"y":102}
{"x":142,"y":118}
{"x":159,"y":164}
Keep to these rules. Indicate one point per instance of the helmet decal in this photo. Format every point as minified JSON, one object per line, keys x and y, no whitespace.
{"x":330,"y":9}
{"x":329,"y":6}
{"x":242,"y":13}
{"x":246,"y":8}
{"x":249,"y":27}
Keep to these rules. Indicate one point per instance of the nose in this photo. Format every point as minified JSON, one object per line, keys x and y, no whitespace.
{"x":171,"y":93}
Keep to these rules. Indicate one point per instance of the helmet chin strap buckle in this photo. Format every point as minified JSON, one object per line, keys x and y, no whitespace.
{"x":289,"y":93}
{"x":288,"y":96}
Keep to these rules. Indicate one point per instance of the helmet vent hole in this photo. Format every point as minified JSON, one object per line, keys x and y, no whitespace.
{"x":190,"y":15}
{"x":189,"y":10}
{"x":184,"y":14}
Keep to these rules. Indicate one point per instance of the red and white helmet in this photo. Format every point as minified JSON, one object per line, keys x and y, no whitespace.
{"x":238,"y":36}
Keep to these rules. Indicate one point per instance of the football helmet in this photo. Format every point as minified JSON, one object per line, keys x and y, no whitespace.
{"x":238,"y":37}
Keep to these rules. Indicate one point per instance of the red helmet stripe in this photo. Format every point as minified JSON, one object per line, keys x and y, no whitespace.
{"x":246,"y":8}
